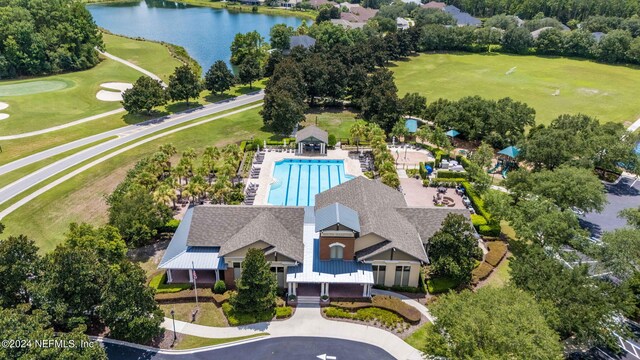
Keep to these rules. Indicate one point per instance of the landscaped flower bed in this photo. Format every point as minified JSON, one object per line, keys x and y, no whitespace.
{"x":388,"y":303}
{"x":497,"y":251}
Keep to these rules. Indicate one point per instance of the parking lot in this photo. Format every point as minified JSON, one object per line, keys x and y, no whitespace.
{"x":620,"y":196}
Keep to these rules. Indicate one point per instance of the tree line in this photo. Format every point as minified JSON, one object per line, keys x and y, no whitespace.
{"x":46,"y":37}
{"x":141,"y":205}
{"x":85,"y":284}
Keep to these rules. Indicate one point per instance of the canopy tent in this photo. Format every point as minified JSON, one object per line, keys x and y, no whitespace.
{"x":452,"y":133}
{"x":510,"y":151}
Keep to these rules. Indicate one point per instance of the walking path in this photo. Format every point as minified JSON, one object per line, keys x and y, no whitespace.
{"x":133,"y":66}
{"x":306,"y":321}
{"x":134,"y":132}
{"x":635,"y":126}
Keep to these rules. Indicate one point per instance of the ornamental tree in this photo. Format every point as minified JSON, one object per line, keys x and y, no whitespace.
{"x":257,"y":286}
{"x":145,"y":94}
{"x":219,"y":78}
{"x":184,"y":84}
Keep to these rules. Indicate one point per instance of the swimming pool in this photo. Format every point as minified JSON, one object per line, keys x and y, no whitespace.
{"x":299,"y":180}
{"x":411,"y":125}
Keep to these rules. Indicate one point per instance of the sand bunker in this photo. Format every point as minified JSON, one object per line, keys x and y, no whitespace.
{"x":119,"y":87}
{"x":105,"y":95}
{"x":4,"y":116}
{"x":3,"y":105}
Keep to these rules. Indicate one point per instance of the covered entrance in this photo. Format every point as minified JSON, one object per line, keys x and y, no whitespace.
{"x":312,"y":140}
{"x":336,"y":290}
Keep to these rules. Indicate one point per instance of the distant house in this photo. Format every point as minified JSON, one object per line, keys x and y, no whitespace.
{"x":304,"y":41}
{"x":289,"y":3}
{"x":348,"y":24}
{"x":462,"y":18}
{"x":317,"y":3}
{"x":519,"y":21}
{"x":402,"y":23}
{"x":434,"y":5}
{"x":417,"y":2}
{"x":356,"y":13}
{"x":597,"y":36}
{"x":536,"y":33}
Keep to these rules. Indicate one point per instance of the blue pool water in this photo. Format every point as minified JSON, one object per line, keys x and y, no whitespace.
{"x":411,"y":125}
{"x":298,"y":181}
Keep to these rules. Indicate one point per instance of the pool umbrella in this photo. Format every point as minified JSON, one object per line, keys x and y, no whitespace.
{"x":510,"y":151}
{"x":452,"y":133}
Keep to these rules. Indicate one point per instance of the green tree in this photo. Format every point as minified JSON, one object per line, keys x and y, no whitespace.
{"x":493,"y":323}
{"x":282,"y":112}
{"x":249,"y":71}
{"x":613,"y":46}
{"x":30,"y":324}
{"x":19,"y":261}
{"x":413,"y":104}
{"x":128,"y":307}
{"x":632,"y":215}
{"x":580,"y":43}
{"x":219,"y":78}
{"x":483,"y":155}
{"x":575,"y":303}
{"x":517,"y":40}
{"x":184,"y":84}
{"x":399,"y":130}
{"x":550,"y":41}
{"x":358,"y":132}
{"x":145,"y":94}
{"x":280,"y":35}
{"x":105,"y":241}
{"x":621,"y":251}
{"x":454,"y":249}
{"x":251,"y":44}
{"x":257,"y":286}
{"x":380,"y":103}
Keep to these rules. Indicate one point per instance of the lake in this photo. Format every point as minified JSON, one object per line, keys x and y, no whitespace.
{"x":205,"y":33}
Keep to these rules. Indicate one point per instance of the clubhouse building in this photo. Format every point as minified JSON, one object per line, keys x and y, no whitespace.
{"x":359,"y":234}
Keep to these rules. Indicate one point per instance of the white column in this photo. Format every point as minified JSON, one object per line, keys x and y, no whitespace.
{"x":295,"y":286}
{"x":190,"y":275}
{"x":364,"y":290}
{"x":169,"y":278}
{"x":326,"y":289}
{"x":369,"y":286}
{"x":217,"y":275}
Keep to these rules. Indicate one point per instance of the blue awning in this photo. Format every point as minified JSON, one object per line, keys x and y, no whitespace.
{"x":511,"y":152}
{"x":452,"y":133}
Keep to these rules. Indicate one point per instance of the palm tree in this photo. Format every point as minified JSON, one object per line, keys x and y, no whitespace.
{"x":211,"y":154}
{"x":187,"y":165}
{"x":358,"y":132}
{"x":147,"y":180}
{"x":165,"y":194}
{"x":160,"y":162}
{"x":189,"y":156}
{"x":220,"y":189}
{"x":168,"y":149}
{"x":228,"y":168}
{"x":196,"y":187}
{"x":180,"y":172}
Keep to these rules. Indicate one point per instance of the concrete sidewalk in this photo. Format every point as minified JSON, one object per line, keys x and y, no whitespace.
{"x":307,"y":321}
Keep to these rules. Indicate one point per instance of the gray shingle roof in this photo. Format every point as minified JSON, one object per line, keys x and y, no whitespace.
{"x":234,"y":227}
{"x":312,"y":131}
{"x":429,"y":220}
{"x":337,"y":214}
{"x":305,"y":41}
{"x":376,"y":204}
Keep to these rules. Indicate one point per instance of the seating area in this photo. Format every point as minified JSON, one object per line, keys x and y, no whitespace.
{"x":439,"y":199}
{"x":250,"y":194}
{"x":365,"y":158}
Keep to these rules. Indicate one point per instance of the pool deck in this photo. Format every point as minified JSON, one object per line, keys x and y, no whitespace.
{"x":351,"y":167}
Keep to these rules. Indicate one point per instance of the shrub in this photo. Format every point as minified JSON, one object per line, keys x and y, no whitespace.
{"x":292,"y":297}
{"x":406,"y":289}
{"x":497,"y":250}
{"x":395,"y":305}
{"x":422,"y":170}
{"x":478,"y":220}
{"x":440,"y":285}
{"x":332,"y":140}
{"x":243,"y":146}
{"x":353,"y":305}
{"x":450,"y":183}
{"x":476,"y":200}
{"x":283,"y":312}
{"x":219,"y":287}
{"x":159,"y":282}
{"x":445,"y":174}
{"x":384,"y":317}
{"x":185,"y":295}
{"x":491,"y":230}
{"x":220,"y":299}
{"x":170,"y":226}
{"x":481,"y":272}
{"x":236,"y":319}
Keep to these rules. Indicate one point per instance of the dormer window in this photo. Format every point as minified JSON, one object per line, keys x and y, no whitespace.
{"x":337,"y":251}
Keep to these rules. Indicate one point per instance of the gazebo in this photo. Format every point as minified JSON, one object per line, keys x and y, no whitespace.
{"x":312,"y":139}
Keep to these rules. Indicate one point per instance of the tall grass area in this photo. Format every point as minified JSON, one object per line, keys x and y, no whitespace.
{"x":609,"y":92}
{"x":46,"y":218}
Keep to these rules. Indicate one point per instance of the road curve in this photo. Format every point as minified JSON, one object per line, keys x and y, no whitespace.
{"x":125,"y":135}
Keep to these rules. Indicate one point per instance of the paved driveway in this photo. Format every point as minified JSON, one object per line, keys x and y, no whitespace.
{"x":620,"y":196}
{"x":274,"y":348}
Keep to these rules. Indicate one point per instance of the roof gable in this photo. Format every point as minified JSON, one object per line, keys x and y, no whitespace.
{"x":337,"y":214}
{"x":312,"y":132}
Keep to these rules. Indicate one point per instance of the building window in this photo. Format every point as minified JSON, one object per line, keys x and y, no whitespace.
{"x":237,"y":270}
{"x":278,"y":273}
{"x":402,"y":276}
{"x":379,"y":273}
{"x":337,"y":251}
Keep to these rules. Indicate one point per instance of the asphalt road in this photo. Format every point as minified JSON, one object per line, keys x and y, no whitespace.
{"x":275,"y":348}
{"x":125,"y":135}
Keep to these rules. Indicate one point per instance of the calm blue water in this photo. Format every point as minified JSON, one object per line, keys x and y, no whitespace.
{"x":411,"y":125}
{"x":206,"y":33}
{"x":298,"y":181}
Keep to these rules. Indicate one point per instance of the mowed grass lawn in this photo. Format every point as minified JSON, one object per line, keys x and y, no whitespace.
{"x":76,"y":101}
{"x":46,"y":218}
{"x":336,"y":122}
{"x":609,"y":92}
{"x":151,"y":56}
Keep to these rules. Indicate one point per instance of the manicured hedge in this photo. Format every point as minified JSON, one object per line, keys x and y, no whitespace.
{"x":220,"y":299}
{"x":446,"y":174}
{"x":422,"y":170}
{"x":497,"y":251}
{"x":481,"y":272}
{"x":491,"y":230}
{"x":476,"y":200}
{"x":443,"y":182}
{"x":386,"y":318}
{"x":159,"y":282}
{"x":235,"y":319}
{"x":478,"y":220}
{"x":407,"y":312}
{"x":204,"y":294}
{"x":283,"y":312}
